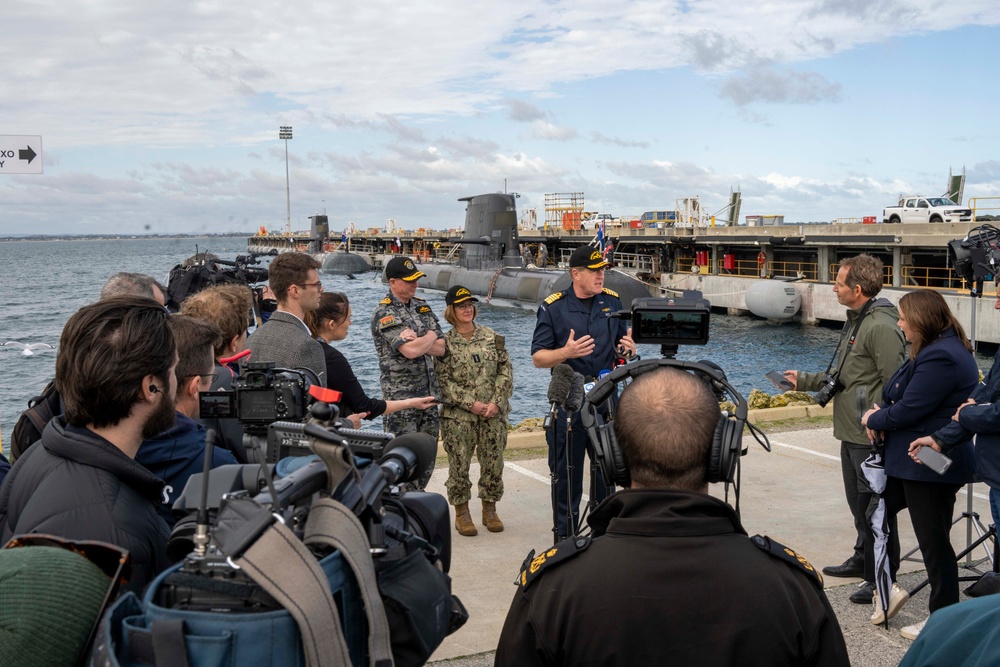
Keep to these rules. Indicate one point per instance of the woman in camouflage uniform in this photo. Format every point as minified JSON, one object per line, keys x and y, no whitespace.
{"x":476,"y":380}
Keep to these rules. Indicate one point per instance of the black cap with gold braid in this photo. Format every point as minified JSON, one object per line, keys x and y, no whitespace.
{"x":587,"y":257}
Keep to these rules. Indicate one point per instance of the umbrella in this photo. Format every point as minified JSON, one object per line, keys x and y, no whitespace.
{"x":873,"y":470}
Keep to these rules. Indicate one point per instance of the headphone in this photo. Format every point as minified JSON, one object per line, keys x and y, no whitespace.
{"x":153,"y":389}
{"x":727,"y":442}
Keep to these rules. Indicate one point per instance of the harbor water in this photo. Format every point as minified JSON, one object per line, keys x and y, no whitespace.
{"x":44,"y":282}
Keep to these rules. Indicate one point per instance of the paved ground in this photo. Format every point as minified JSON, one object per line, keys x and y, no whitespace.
{"x":794,"y":494}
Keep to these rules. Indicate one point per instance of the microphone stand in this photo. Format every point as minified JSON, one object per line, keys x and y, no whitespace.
{"x":570,"y":521}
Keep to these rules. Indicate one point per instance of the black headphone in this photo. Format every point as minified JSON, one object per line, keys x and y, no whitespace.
{"x":727,"y":443}
{"x":153,"y":389}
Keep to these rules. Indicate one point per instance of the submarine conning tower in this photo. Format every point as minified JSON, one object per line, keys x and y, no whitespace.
{"x":490,"y":241}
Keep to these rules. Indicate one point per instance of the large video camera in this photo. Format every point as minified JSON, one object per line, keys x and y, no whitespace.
{"x":976,"y":257}
{"x":366,"y":472}
{"x":205,"y":269}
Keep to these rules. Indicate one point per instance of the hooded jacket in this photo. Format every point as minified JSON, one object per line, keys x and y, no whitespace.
{"x":879,"y":350}
{"x":77,"y":485}
{"x":176,"y":454}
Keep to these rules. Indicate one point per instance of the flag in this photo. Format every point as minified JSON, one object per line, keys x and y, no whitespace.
{"x":600,"y":235}
{"x":343,"y":236}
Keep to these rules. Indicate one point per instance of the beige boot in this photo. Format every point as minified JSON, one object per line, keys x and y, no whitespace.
{"x":490,"y":518}
{"x":463,"y":521}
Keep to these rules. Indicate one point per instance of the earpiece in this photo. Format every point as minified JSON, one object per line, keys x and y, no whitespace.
{"x":153,"y":389}
{"x":727,"y":443}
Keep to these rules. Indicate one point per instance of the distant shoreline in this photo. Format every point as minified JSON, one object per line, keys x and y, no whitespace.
{"x":117,"y":237}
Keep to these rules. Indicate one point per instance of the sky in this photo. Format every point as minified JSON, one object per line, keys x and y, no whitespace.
{"x":162,"y":116}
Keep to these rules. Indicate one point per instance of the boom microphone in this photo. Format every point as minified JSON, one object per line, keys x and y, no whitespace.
{"x":559,"y":386}
{"x":574,"y":399}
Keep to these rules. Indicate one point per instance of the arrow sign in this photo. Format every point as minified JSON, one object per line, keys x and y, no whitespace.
{"x":18,"y":154}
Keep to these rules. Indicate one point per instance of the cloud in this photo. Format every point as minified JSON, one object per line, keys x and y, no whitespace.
{"x":599,"y":138}
{"x":523,"y":112}
{"x":769,"y":85}
{"x":546,"y":131}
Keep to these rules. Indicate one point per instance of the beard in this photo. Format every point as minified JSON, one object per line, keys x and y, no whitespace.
{"x":161,"y":419}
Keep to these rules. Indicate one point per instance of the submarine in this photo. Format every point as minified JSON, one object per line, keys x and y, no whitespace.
{"x":491,"y":265}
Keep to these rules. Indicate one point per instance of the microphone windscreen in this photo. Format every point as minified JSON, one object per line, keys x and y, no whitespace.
{"x":559,"y":385}
{"x":574,"y":400}
{"x":424,"y":446}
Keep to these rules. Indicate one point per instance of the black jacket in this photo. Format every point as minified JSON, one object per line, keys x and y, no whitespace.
{"x":670,"y":579}
{"x":77,"y":485}
{"x":340,"y":376}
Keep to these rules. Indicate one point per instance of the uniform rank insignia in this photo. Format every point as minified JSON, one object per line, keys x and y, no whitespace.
{"x":499,"y":341}
{"x":552,"y":298}
{"x":386,"y":301}
{"x":611,"y":292}
{"x":386,"y":322}
{"x":780,"y":551}
{"x":424,"y":309}
{"x":534,"y":565}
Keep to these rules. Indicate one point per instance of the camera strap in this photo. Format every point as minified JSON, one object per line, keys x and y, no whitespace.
{"x":331,"y":524}
{"x":850,"y":342}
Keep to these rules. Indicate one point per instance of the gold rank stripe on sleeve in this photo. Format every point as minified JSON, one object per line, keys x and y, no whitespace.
{"x":611,"y":292}
{"x":780,"y":551}
{"x":552,"y":298}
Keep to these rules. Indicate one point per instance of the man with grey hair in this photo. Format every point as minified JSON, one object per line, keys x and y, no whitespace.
{"x":134,"y":284}
{"x":870,"y":350}
{"x":669,"y":575}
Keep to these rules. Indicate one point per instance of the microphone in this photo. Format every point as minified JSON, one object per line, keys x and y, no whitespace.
{"x":559,"y":386}
{"x":574,"y":399}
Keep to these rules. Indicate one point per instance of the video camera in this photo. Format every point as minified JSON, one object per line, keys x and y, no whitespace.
{"x":206,"y":269}
{"x":976,"y":257}
{"x":261,"y":395}
{"x":366,"y":472}
{"x":669,"y":322}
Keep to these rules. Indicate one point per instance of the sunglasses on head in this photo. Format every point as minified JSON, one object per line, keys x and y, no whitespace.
{"x":111,"y":559}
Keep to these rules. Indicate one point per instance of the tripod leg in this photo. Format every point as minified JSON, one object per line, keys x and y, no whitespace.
{"x":570,"y":520}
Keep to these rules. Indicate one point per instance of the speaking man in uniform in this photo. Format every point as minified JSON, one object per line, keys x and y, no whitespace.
{"x":669,"y":576}
{"x":407,"y":337}
{"x":575,"y":327}
{"x":870,"y":350}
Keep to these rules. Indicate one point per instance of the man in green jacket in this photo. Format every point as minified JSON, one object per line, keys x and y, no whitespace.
{"x":864,"y":362}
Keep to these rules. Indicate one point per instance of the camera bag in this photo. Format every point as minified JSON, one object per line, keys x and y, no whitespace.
{"x":326,"y":604}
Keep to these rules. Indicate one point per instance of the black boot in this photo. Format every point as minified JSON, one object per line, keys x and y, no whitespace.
{"x":852,"y":567}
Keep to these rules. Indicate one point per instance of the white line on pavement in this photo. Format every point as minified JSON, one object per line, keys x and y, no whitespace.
{"x":535,"y":476}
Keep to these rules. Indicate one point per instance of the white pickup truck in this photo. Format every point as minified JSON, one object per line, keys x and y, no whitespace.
{"x":595,"y":220}
{"x":917,"y":208}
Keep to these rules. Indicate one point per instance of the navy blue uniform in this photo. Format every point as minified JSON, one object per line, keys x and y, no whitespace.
{"x":557,"y":314}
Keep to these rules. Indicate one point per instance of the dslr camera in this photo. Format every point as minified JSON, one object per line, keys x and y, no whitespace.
{"x":831,"y":386}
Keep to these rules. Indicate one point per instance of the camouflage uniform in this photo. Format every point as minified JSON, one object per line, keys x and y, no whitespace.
{"x":402,"y":377}
{"x":478,"y":369}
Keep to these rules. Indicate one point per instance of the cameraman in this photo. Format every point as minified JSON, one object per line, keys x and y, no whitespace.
{"x":870,"y":350}
{"x":669,"y":576}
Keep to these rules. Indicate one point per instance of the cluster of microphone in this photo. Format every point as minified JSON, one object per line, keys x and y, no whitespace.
{"x":565,"y":391}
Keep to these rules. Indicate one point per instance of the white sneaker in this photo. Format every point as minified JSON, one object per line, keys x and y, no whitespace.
{"x":897,"y":598}
{"x":911,"y":631}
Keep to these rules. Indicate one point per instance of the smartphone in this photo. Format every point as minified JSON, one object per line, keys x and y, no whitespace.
{"x":779,"y":380}
{"x":934,"y":460}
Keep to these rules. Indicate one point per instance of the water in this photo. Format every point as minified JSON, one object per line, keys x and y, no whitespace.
{"x":43,"y":283}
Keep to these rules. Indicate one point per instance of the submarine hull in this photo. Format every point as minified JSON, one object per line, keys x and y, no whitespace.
{"x":345,"y":264}
{"x":524,"y":285}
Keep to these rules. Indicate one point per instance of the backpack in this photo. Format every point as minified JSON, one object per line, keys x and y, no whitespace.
{"x":28,"y":429}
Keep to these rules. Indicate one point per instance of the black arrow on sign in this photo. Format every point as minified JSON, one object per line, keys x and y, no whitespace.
{"x":26,"y":154}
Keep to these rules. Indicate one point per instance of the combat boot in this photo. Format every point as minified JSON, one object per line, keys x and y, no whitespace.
{"x":463,"y":521}
{"x":490,"y":518}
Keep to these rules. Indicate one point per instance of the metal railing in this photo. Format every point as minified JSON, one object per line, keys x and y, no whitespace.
{"x":991,"y":204}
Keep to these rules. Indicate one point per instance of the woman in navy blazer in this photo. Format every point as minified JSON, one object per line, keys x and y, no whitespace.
{"x":920,"y":398}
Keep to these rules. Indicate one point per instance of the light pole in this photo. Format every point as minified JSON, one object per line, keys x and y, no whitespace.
{"x":285,"y":132}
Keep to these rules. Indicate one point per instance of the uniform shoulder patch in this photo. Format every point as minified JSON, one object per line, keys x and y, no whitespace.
{"x":533,"y":565}
{"x":552,"y":298}
{"x":386,"y":322}
{"x":417,"y":298}
{"x":781,"y":552}
{"x":499,"y":341}
{"x":386,"y":301}
{"x":611,"y":292}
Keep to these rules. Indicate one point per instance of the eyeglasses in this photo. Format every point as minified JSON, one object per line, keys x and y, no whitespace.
{"x":110,"y":558}
{"x":470,"y":304}
{"x":318,"y":285}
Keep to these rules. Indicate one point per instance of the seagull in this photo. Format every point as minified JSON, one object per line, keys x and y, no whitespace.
{"x":27,"y":349}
